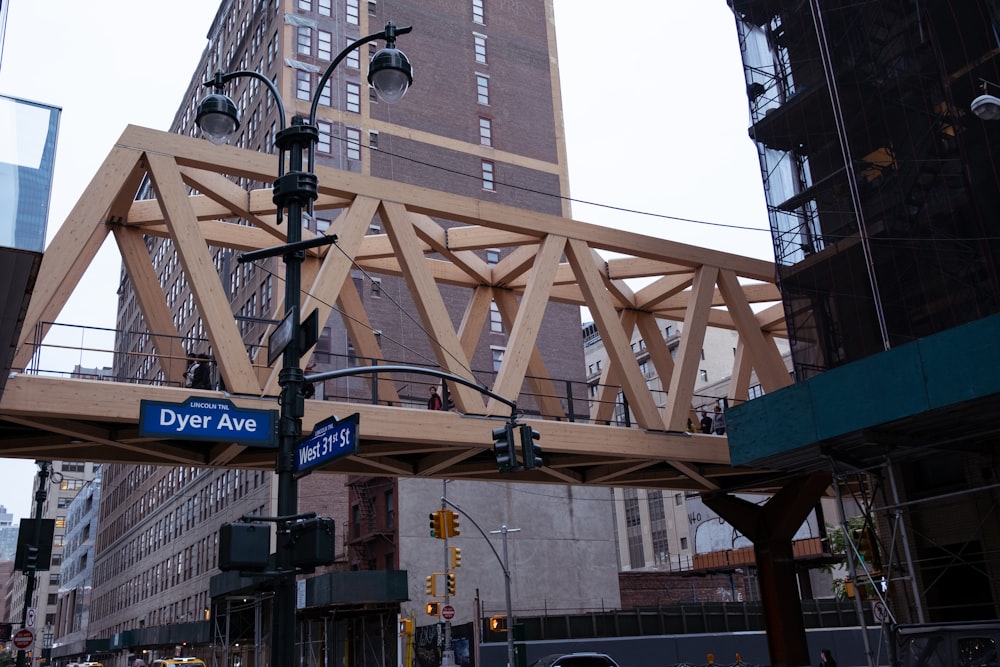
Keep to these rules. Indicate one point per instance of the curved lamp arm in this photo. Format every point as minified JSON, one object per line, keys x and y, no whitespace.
{"x":388,"y":34}
{"x":221,"y":79}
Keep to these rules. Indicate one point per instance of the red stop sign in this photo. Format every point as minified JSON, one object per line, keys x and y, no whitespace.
{"x":447,"y":612}
{"x":23,"y":638}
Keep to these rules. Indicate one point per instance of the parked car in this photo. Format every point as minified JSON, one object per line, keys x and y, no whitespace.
{"x":575,"y":660}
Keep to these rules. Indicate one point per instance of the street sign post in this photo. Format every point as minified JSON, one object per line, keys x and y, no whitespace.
{"x":23,"y":639}
{"x":29,"y":618}
{"x":330,"y":440}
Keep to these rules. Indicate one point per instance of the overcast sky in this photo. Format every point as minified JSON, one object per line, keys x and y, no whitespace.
{"x":655,"y":111}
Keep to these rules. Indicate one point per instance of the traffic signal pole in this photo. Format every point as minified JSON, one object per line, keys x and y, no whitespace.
{"x":29,"y":586}
{"x":503,"y":565}
{"x":448,"y":653}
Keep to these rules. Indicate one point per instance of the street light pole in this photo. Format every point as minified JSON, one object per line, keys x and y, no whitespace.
{"x":294,"y":191}
{"x":506,"y":580}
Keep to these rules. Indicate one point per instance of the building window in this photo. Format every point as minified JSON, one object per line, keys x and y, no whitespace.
{"x":324,"y":45}
{"x":305,"y":5}
{"x":304,"y":40}
{"x":372,"y":7}
{"x":703,"y":374}
{"x":353,"y":97}
{"x":373,"y":140}
{"x":303,"y":85}
{"x":376,"y":288}
{"x":477,"y":12}
{"x":325,"y":132}
{"x":492,"y":257}
{"x":497,"y":353}
{"x":325,"y":7}
{"x":353,"y":14}
{"x":483,"y":88}
{"x":488,"y":183}
{"x":755,"y":391}
{"x":485,"y":131}
{"x":353,"y":58}
{"x":480,"y":47}
{"x":684,"y":543}
{"x":496,"y":322}
{"x":353,"y":143}
{"x":678,"y":499}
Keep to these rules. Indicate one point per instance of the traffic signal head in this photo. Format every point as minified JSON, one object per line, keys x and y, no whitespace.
{"x":498,"y":623}
{"x":530,"y":451}
{"x":6,"y":629}
{"x":456,"y":557}
{"x":437,"y":524}
{"x":30,"y":557}
{"x":431,"y":586}
{"x":451,"y":583}
{"x":433,"y":609}
{"x":450,"y":523}
{"x":405,"y":626}
{"x":503,"y":447}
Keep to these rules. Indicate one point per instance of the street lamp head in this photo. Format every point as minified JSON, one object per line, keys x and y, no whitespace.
{"x":390,"y":73}
{"x":217,"y":115}
{"x":986,"y":106}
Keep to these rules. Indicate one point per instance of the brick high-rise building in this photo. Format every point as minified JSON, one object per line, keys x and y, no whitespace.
{"x":483,"y":119}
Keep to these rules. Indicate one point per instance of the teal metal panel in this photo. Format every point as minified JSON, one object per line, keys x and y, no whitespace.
{"x":877,"y":389}
{"x":963,"y":363}
{"x":771,"y":424}
{"x":946,"y":369}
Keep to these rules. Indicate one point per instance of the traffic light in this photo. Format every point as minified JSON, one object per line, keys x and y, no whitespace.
{"x":6,"y":629}
{"x":30,"y":557}
{"x":431,"y":588}
{"x":437,"y":524}
{"x":498,"y":623}
{"x":405,"y":627}
{"x":433,"y":608}
{"x":450,"y":523}
{"x":530,"y":451}
{"x":451,"y":583}
{"x":456,"y":557}
{"x":503,"y":448}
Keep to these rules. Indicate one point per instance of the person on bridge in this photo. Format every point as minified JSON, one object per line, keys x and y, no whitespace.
{"x":826,"y":659}
{"x":434,"y":400}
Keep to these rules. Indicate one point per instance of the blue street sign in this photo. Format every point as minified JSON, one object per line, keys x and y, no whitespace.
{"x":209,"y":419}
{"x":331,"y":439}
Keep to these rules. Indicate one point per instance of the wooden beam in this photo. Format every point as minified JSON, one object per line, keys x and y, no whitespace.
{"x":681,"y":388}
{"x":210,"y":298}
{"x":616,"y":344}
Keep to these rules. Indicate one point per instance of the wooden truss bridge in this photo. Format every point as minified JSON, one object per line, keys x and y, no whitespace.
{"x":429,"y":239}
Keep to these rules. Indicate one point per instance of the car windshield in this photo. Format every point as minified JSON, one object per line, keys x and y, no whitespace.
{"x":575,"y":661}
